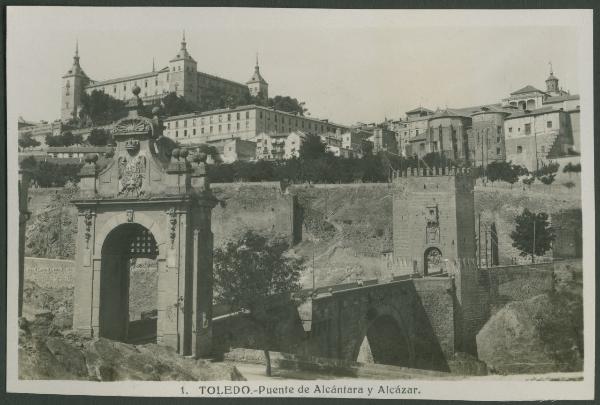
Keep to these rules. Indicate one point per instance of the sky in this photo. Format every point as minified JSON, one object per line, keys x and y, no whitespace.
{"x":346,"y":65}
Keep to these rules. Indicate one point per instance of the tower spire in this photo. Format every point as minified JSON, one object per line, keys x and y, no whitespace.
{"x":76,"y":56}
{"x":550,"y":63}
{"x":153,"y":67}
{"x":256,"y":59}
{"x":183,"y":43}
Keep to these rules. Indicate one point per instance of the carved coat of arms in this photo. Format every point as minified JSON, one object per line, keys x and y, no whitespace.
{"x":131,"y":175}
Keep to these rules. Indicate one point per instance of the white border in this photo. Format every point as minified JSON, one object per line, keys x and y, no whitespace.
{"x":507,"y":388}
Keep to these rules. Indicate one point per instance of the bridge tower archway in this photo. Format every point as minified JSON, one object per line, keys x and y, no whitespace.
{"x":148,"y":199}
{"x":122,"y":247}
{"x":433,"y":261}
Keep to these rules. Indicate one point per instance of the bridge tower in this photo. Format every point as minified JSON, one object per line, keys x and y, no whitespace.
{"x":433,"y":219}
{"x":434,"y":235}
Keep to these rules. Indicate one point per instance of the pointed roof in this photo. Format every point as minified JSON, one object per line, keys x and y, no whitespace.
{"x":256,"y":77}
{"x":75,"y":68}
{"x":527,"y":89}
{"x":183,"y":53}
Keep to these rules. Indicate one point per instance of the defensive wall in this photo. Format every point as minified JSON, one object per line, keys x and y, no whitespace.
{"x":262,"y":207}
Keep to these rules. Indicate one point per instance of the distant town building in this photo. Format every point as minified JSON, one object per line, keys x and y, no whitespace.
{"x":180,"y":76}
{"x":279,"y":146}
{"x":243,"y":122}
{"x":535,"y":137}
{"x":76,"y":152}
{"x":529,"y":127}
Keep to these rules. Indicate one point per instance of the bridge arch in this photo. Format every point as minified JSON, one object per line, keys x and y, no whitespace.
{"x":384,"y":338}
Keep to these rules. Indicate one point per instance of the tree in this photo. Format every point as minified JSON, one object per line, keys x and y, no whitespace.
{"x":503,"y":171}
{"x":250,"y":273}
{"x":99,"y":137}
{"x":99,"y":108}
{"x":312,"y":148}
{"x":26,"y":141}
{"x":177,"y":105}
{"x":287,"y":104}
{"x":533,"y":234}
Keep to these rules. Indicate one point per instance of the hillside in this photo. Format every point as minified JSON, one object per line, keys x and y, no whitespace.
{"x":346,"y":229}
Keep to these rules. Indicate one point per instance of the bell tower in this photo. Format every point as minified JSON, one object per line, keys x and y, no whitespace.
{"x":73,"y":86}
{"x":552,"y":83}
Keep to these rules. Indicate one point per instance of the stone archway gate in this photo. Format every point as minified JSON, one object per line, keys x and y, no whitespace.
{"x":151,"y":183}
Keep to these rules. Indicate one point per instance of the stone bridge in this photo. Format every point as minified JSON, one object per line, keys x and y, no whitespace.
{"x":409,"y":322}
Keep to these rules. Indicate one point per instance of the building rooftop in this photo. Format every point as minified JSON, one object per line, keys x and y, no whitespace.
{"x":125,"y":78}
{"x":557,"y":99}
{"x":527,"y":89}
{"x":419,"y":110}
{"x":524,"y":113}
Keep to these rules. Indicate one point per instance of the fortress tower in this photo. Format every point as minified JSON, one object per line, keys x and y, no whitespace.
{"x":257,"y":85}
{"x":433,"y":219}
{"x":73,"y":85}
{"x":184,"y":73}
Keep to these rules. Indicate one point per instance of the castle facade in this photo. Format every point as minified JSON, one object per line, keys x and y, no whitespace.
{"x":180,"y":76}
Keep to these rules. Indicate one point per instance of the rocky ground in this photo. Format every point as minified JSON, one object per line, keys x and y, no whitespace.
{"x":49,"y":350}
{"x":542,"y":334}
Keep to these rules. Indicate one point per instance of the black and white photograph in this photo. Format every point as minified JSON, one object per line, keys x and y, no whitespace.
{"x":257,"y":202}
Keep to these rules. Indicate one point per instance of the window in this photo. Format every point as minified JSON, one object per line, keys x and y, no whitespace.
{"x":146,"y":83}
{"x":497,"y":139}
{"x":228,"y":117}
{"x":527,"y":129}
{"x":499,"y":129}
{"x":156,"y":82}
{"x":176,"y":124}
{"x":248,"y":114}
{"x":509,"y":129}
{"x":185,"y":132}
{"x":219,"y":127}
{"x":238,"y":125}
{"x":259,"y":114}
{"x":497,"y":153}
{"x":237,"y":116}
{"x":229,"y":127}
{"x":417,"y":132}
{"x":194,"y":131}
{"x":124,"y":87}
{"x":519,"y":149}
{"x":176,"y":134}
{"x":202,"y":130}
{"x":210,"y":129}
{"x":168,"y":125}
{"x":549,"y":124}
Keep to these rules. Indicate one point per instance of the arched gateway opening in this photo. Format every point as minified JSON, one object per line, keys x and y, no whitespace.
{"x":128,"y":285}
{"x":384,"y":343}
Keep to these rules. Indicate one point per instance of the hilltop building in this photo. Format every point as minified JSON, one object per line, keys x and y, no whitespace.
{"x":180,"y":76}
{"x":243,"y":122}
{"x":529,"y":128}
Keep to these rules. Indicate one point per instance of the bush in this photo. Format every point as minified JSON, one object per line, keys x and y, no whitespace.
{"x":48,"y":174}
{"x":26,"y":141}
{"x":571,"y":168}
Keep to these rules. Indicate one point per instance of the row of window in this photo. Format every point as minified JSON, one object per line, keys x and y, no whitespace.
{"x":228,"y":118}
{"x":210,"y":129}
